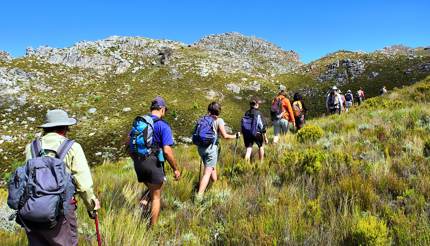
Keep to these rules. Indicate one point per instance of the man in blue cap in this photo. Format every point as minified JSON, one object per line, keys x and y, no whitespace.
{"x":150,"y":170}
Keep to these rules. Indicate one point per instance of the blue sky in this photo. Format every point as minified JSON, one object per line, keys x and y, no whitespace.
{"x":312,"y":28}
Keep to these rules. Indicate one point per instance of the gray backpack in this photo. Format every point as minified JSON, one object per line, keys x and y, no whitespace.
{"x":42,"y":190}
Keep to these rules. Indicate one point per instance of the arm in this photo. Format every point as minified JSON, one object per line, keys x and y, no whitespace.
{"x":28,"y":152}
{"x":290,"y":112}
{"x":168,"y":153}
{"x":224,"y":134}
{"x":326,"y":103}
{"x":82,"y":177}
{"x":167,"y":143}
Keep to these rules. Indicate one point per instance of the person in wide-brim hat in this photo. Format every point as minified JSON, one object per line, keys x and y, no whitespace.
{"x":57,"y":117}
{"x":55,"y":129}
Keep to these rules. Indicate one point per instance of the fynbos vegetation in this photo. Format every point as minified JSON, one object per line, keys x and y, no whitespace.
{"x":361,"y":178}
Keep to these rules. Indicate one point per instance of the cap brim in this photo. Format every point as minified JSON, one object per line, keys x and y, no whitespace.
{"x":69,"y":122}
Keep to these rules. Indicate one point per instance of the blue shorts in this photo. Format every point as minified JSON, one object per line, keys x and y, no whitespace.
{"x":209,"y":155}
{"x":280,"y":127}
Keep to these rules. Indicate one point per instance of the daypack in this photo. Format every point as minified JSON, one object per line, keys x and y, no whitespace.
{"x":249,"y":124}
{"x":141,"y":135}
{"x":276,"y":109}
{"x":333,"y":102}
{"x":204,"y":134}
{"x":297,"y":108}
{"x":42,"y":190}
{"x":349,"y":97}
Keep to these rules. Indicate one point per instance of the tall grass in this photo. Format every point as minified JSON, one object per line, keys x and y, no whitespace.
{"x":363,"y":181}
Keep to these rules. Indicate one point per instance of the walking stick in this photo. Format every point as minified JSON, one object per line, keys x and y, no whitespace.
{"x":235,"y":151}
{"x":95,"y":216}
{"x":99,"y":240}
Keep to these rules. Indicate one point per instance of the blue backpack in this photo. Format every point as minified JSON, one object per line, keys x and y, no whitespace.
{"x":204,"y":134}
{"x":141,"y":135}
{"x":249,"y":124}
{"x":42,"y":190}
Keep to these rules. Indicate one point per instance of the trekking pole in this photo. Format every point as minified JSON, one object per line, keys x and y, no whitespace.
{"x":95,"y":216}
{"x":235,"y":151}
{"x":99,"y":239}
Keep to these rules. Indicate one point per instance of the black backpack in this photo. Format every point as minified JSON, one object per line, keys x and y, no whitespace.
{"x":348,"y":97}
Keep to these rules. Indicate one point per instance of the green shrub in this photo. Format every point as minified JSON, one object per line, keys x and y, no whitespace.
{"x":312,"y":160}
{"x":369,"y":230}
{"x":310,"y":133}
{"x":313,"y":211}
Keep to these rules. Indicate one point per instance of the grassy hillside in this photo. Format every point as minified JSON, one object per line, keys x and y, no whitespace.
{"x":361,"y":178}
{"x":106,"y":83}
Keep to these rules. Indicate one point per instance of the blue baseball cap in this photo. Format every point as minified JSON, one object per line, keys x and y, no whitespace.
{"x":158,"y":102}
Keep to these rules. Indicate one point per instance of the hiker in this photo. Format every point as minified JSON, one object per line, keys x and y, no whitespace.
{"x":342,"y":101}
{"x":58,"y":171}
{"x":360,"y":96}
{"x":299,"y":110}
{"x":206,"y":137}
{"x":383,"y":90}
{"x":333,"y":102}
{"x":149,"y":149}
{"x":254,"y":129}
{"x":349,"y":100}
{"x":282,"y":115}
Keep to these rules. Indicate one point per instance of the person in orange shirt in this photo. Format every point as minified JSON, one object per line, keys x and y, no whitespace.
{"x":282,"y":114}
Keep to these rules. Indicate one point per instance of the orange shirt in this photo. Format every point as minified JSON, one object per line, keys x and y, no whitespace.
{"x":286,"y":107}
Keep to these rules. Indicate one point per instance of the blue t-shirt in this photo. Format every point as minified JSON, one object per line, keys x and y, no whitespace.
{"x":162,"y":135}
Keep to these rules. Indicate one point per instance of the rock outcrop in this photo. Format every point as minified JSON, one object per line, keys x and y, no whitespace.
{"x":248,"y":53}
{"x":343,"y":71}
{"x":4,"y":56}
{"x":110,"y":54}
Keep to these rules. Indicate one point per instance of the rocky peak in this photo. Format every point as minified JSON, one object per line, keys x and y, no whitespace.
{"x":4,"y":56}
{"x":397,"y":50}
{"x":250,"y":53}
{"x":112,"y":53}
{"x":245,"y":45}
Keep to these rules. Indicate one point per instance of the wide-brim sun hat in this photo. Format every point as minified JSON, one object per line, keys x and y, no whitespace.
{"x":58,"y":117}
{"x":334,"y":88}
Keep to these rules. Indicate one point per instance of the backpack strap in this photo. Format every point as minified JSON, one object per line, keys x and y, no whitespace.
{"x":36,"y":148}
{"x":64,"y":148}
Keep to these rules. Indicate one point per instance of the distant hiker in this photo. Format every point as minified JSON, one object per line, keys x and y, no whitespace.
{"x":333,"y":102}
{"x":360,"y":96}
{"x":282,"y":114}
{"x":42,"y":191}
{"x":349,"y":100}
{"x":342,"y":101}
{"x":205,"y":136}
{"x":254,"y":129}
{"x":383,"y":90}
{"x":299,"y":110}
{"x":150,"y":144}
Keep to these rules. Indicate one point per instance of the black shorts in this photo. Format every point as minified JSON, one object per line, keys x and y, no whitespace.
{"x":250,"y":140}
{"x":300,"y":121}
{"x":149,"y":169}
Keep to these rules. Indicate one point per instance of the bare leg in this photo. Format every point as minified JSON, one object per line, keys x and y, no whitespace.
{"x":261,"y":153}
{"x":248,"y":154}
{"x":205,"y":180}
{"x":214,"y":176}
{"x":155,"y":200}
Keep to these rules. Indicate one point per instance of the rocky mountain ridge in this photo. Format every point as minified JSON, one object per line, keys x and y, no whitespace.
{"x":106,"y":83}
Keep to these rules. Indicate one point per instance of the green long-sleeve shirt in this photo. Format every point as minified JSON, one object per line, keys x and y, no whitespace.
{"x":76,"y":164}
